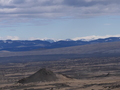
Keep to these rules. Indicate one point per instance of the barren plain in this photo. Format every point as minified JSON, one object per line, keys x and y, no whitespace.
{"x":85,"y":73}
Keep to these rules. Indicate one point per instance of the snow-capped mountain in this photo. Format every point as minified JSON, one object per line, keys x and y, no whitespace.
{"x":27,"y":45}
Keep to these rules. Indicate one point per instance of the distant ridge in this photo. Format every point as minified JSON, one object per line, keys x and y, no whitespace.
{"x":29,"y":45}
{"x":97,"y":48}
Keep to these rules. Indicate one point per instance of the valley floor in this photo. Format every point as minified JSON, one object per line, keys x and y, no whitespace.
{"x":82,"y":74}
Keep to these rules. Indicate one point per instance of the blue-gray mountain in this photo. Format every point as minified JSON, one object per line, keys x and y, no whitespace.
{"x":27,"y":45}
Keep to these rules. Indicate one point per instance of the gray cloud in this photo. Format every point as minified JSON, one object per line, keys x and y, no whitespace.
{"x":6,"y":6}
{"x":87,"y":3}
{"x":18,"y":1}
{"x":18,"y":10}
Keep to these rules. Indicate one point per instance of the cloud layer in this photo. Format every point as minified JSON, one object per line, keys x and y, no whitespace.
{"x":22,"y":11}
{"x":10,"y":38}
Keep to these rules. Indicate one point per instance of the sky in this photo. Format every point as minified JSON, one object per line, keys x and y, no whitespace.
{"x":59,"y":19}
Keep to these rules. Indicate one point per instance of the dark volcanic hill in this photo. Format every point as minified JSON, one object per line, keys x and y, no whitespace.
{"x":43,"y":75}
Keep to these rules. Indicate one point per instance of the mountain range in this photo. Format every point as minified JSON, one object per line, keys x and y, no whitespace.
{"x":28,"y":45}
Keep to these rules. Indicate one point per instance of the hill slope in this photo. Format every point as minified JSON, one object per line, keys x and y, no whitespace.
{"x":104,"y":48}
{"x":43,"y":75}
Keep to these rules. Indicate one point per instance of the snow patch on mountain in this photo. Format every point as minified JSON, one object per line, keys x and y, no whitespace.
{"x":52,"y":40}
{"x":93,"y":37}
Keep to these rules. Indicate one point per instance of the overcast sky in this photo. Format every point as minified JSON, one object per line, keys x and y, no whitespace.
{"x":58,"y":19}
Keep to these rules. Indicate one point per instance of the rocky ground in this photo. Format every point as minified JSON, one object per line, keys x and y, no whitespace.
{"x":74,"y":74}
